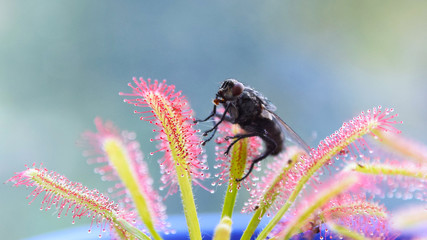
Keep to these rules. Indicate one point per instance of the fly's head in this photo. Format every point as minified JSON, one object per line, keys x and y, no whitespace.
{"x":230,"y":90}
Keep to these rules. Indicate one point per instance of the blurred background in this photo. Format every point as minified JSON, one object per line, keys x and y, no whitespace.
{"x":62,"y":63}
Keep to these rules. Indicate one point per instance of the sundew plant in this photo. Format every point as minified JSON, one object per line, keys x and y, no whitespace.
{"x":334,"y":191}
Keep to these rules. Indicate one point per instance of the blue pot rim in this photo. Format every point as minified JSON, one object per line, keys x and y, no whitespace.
{"x":208,"y":222}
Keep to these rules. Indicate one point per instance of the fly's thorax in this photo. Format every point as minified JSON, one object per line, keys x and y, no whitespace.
{"x":249,"y":108}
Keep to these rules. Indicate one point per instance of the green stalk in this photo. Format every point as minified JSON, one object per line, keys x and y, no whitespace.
{"x":343,"y":231}
{"x":131,"y":229}
{"x":408,"y":218}
{"x":119,"y":160}
{"x":336,"y":189}
{"x":238,"y":160}
{"x":372,"y":210}
{"x":415,"y":151}
{"x":385,"y":169}
{"x":120,"y":232}
{"x":169,"y":112}
{"x":266,"y":204}
{"x":184,"y":182}
{"x":287,"y":204}
{"x":49,"y":184}
{"x":294,"y":195}
{"x":253,"y":224}
{"x":347,"y":140}
{"x":229,"y":200}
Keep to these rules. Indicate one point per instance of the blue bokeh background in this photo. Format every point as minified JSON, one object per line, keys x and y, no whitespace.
{"x":62,"y":63}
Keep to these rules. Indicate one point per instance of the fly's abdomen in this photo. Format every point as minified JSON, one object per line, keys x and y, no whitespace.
{"x":279,"y":139}
{"x":274,"y":131}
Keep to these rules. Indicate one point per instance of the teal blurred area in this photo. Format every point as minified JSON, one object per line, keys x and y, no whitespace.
{"x":62,"y":63}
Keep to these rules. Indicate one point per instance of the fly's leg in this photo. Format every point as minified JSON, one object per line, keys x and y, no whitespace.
{"x":237,"y":138}
{"x":213,"y":113}
{"x":214,"y":128}
{"x":271,"y":146}
{"x":226,"y":118}
{"x":219,"y":122}
{"x":210,"y":137}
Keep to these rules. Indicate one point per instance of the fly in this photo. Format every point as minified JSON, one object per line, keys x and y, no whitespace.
{"x":255,"y":115}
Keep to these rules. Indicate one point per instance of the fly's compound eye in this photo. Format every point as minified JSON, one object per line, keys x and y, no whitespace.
{"x":237,"y":89}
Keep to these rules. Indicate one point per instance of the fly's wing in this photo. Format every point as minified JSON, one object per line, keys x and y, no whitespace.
{"x":290,"y":134}
{"x":269,"y":106}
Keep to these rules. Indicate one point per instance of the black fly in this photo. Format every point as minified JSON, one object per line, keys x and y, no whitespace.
{"x":255,"y":115}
